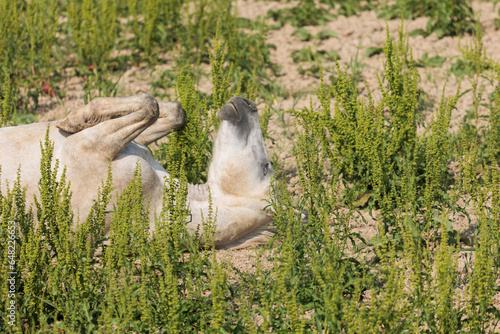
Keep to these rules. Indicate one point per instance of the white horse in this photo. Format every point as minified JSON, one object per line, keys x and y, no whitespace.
{"x":119,"y":129}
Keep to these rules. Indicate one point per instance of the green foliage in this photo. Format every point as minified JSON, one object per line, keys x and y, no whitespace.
{"x":481,"y":71}
{"x":94,"y":29}
{"x":246,"y":51}
{"x":446,"y":18}
{"x":220,"y":75}
{"x":437,"y":146}
{"x":368,"y":136}
{"x":376,"y":149}
{"x":97,"y":84}
{"x":160,"y":23}
{"x":485,"y":199}
{"x":40,"y":38}
{"x":461,"y":68}
{"x":201,"y":27}
{"x":10,"y":31}
{"x":373,"y":50}
{"x":41,"y":21}
{"x":496,"y":21}
{"x":325,"y":34}
{"x":355,"y":67}
{"x":250,"y":52}
{"x":346,"y":7}
{"x":352,"y":153}
{"x":450,"y":18}
{"x":303,"y":34}
{"x":306,"y":13}
{"x":427,"y":61}
{"x":315,"y":59}
{"x":308,"y":55}
{"x":28,"y":31}
{"x":7,"y":100}
{"x":493,"y":134}
{"x":313,"y":70}
{"x":189,"y":149}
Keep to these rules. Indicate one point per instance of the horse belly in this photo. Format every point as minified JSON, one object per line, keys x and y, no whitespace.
{"x":20,"y":151}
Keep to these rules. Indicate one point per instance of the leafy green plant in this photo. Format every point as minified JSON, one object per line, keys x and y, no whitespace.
{"x":10,"y":31}
{"x":481,"y":71}
{"x":346,"y":7}
{"x":427,"y":61}
{"x":28,"y":34}
{"x":303,"y":34}
{"x":250,"y":52}
{"x":313,"y":70}
{"x":373,"y":50}
{"x":451,"y":18}
{"x":192,"y":145}
{"x":355,"y":67}
{"x":94,"y":29}
{"x":220,"y":75}
{"x":41,"y":21}
{"x":7,"y":101}
{"x":326,"y":34}
{"x":306,"y":13}
{"x":446,"y":18}
{"x":307,"y":55}
{"x":160,"y":24}
{"x":99,"y":84}
{"x":496,"y":21}
{"x":493,"y":134}
{"x":201,"y":26}
{"x":460,"y":68}
{"x":363,"y":136}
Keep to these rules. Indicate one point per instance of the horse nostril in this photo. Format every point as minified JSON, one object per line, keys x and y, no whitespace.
{"x":265,"y":168}
{"x":250,"y":104}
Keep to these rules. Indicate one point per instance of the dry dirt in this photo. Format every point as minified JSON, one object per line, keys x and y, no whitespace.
{"x":355,"y":35}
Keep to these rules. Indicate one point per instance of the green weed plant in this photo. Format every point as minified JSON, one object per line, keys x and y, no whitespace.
{"x":306,"y":13}
{"x":94,"y":28}
{"x":446,"y":18}
{"x":99,"y":40}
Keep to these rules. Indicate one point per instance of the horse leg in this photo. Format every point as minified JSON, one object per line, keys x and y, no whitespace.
{"x":103,"y":128}
{"x":172,"y":117}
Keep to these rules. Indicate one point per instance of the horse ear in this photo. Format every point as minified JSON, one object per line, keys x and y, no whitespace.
{"x":229,"y":113}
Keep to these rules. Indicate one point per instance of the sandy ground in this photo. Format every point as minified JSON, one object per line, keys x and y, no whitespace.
{"x":355,"y":35}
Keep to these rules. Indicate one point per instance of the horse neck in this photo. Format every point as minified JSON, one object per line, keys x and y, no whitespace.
{"x":198,"y":192}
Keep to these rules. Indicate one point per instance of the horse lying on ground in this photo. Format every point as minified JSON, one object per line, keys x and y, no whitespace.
{"x":119,"y":130}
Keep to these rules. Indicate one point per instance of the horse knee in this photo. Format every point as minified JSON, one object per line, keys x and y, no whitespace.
{"x":149,"y":108}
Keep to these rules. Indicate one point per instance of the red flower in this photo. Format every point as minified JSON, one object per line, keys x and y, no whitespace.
{"x":47,"y":89}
